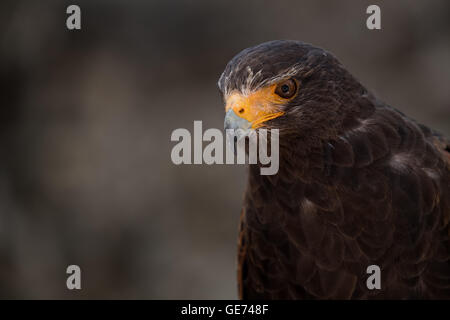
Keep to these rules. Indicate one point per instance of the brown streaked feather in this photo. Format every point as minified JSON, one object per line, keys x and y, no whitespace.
{"x":242,"y":251}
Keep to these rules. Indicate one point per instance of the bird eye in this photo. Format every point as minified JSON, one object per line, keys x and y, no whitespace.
{"x":286,"y":89}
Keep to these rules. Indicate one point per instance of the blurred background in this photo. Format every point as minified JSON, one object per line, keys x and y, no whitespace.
{"x":86,"y":118}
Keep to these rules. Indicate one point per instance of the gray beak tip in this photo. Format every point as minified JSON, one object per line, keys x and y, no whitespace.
{"x":233,"y":121}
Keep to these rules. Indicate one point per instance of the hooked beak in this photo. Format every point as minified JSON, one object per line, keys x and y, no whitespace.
{"x":239,"y":128}
{"x":233,"y":121}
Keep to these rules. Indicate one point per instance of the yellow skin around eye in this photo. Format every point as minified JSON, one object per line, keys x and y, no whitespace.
{"x":256,"y":107}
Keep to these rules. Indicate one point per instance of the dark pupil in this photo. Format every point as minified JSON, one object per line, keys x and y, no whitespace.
{"x":285,"y":88}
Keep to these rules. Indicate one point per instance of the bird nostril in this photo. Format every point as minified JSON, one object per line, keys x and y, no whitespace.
{"x":241,"y":110}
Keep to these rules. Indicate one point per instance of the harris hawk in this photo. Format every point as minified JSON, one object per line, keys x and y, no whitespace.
{"x":359,"y":184}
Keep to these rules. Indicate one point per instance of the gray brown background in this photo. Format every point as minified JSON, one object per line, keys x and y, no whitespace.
{"x":86,"y":118}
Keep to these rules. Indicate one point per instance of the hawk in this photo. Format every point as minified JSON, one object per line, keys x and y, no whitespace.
{"x":359,"y":184}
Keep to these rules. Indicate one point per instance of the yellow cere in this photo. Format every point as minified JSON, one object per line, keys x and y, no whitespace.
{"x":256,"y":107}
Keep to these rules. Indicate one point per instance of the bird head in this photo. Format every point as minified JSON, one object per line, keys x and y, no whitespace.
{"x":292,"y":86}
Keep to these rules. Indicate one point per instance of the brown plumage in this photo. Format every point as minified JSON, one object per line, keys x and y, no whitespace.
{"x":359,"y":183}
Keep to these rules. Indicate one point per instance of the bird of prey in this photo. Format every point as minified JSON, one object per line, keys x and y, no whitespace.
{"x":359,"y":184}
